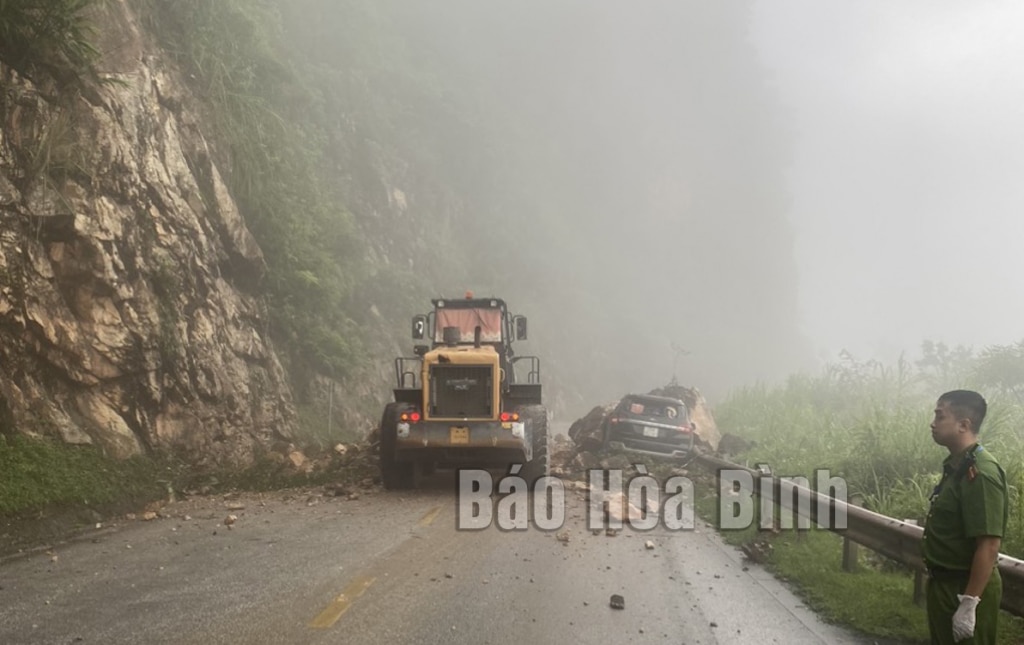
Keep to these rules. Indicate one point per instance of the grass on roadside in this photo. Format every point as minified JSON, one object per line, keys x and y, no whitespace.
{"x":277,"y":473}
{"x":38,"y":473}
{"x":872,"y":600}
{"x":39,"y":477}
{"x":868,"y":423}
{"x":875,"y":602}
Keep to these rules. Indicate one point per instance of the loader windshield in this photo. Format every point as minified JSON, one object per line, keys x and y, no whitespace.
{"x":467,"y":320}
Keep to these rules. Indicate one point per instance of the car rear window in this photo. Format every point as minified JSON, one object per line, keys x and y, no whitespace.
{"x":654,"y":409}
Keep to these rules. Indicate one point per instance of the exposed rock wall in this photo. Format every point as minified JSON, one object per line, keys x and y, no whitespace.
{"x":129,"y":308}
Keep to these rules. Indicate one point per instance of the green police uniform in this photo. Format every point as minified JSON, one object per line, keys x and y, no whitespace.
{"x":969,"y":502}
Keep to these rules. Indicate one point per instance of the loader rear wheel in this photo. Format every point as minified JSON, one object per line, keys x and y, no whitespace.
{"x":395,"y":475}
{"x":536,"y":417}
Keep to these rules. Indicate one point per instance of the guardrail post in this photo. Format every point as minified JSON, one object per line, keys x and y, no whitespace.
{"x":919,"y":578}
{"x":849,"y":546}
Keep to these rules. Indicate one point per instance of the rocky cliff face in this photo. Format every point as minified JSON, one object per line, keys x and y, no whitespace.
{"x":129,"y":308}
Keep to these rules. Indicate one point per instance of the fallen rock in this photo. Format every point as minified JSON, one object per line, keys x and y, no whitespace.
{"x":700,"y":412}
{"x":757,"y":550}
{"x":651,"y":505}
{"x":616,"y":462}
{"x":617,"y":507}
{"x":586,"y":431}
{"x":337,"y":490}
{"x":585,"y":461}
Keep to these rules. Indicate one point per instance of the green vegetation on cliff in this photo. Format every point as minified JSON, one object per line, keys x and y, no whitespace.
{"x":275,"y":158}
{"x":385,"y":152}
{"x":53,"y":34}
{"x":318,"y":153}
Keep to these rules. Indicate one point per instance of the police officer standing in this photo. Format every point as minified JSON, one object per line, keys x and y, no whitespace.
{"x":965,"y":526}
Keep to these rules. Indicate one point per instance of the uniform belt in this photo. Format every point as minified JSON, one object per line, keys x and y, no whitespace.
{"x":942,"y":573}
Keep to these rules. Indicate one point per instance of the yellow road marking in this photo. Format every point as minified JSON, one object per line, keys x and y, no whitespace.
{"x":430,"y":516}
{"x":340,"y":605}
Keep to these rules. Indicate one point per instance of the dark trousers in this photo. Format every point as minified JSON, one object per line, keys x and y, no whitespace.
{"x":942,"y":604}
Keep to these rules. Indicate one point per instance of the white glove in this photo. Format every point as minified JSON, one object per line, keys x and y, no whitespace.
{"x":963,"y":619}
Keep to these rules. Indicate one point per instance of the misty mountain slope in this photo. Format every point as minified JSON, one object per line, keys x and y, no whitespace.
{"x":612,"y":171}
{"x":620,"y":171}
{"x":615,"y":173}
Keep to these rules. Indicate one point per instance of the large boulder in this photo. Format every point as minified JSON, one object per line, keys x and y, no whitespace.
{"x":586,"y":431}
{"x":700,"y":412}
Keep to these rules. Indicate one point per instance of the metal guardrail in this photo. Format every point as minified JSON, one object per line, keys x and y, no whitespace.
{"x":895,"y":539}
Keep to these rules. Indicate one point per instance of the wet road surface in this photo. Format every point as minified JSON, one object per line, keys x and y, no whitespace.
{"x":391,"y":567}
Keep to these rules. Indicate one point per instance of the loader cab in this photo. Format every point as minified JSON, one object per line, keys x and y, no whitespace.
{"x":481,"y":323}
{"x":469,"y":321}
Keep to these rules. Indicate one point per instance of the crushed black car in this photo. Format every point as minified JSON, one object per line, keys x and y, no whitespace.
{"x":650,"y":425}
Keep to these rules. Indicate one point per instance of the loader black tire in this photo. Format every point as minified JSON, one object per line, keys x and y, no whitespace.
{"x":536,"y":418}
{"x":395,"y":475}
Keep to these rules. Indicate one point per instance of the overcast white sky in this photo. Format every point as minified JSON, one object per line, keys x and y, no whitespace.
{"x":908,"y":178}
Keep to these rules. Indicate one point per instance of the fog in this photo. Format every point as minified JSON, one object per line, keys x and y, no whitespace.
{"x":905,"y":183}
{"x":727,"y":191}
{"x":636,"y":159}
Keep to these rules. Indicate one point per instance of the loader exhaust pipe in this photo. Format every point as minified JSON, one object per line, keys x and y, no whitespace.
{"x":450,"y":336}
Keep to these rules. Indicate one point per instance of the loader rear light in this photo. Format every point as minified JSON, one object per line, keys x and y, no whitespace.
{"x":509,"y":416}
{"x":413,"y":416}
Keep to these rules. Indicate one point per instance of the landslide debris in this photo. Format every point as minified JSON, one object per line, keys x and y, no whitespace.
{"x":582,"y":450}
{"x":585,"y":432}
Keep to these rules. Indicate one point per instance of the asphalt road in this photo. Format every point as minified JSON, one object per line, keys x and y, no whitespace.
{"x":390,"y":568}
